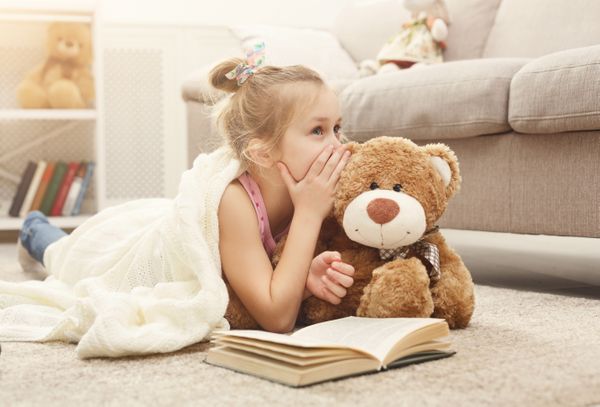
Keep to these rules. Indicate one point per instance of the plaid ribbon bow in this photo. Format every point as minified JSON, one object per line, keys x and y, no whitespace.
{"x":425,"y":251}
{"x":255,"y":57}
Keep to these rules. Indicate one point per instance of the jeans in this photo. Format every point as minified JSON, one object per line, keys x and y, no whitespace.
{"x":37,"y":234}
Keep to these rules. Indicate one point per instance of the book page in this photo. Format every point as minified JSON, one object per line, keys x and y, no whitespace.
{"x":285,"y":339}
{"x":376,"y":336}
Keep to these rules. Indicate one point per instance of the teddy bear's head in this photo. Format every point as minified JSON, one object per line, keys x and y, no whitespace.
{"x":392,"y":190}
{"x":70,"y":42}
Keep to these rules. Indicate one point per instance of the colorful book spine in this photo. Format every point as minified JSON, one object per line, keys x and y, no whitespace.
{"x":63,"y":190}
{"x":53,"y":185}
{"x":39,"y":195}
{"x":84,"y":186}
{"x":74,"y":189}
{"x":35,"y":184}
{"x":19,"y":197}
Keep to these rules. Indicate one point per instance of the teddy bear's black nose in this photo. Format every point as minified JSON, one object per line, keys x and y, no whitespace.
{"x":382,"y":210}
{"x":69,"y":44}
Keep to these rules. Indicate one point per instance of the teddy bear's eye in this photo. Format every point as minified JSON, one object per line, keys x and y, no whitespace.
{"x":398,"y":187}
{"x":374,"y":185}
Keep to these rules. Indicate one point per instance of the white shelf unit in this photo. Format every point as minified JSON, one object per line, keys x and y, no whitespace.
{"x":45,"y":134}
{"x":48,"y":114}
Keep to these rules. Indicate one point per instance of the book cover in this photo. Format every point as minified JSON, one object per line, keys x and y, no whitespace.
{"x":61,"y":195}
{"x":331,"y":350}
{"x":53,"y":185}
{"x":39,"y":195}
{"x":74,"y":189}
{"x":33,"y":187}
{"x":19,"y":197}
{"x":84,"y":187}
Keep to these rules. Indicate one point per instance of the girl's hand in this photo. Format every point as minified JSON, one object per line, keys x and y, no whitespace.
{"x":329,"y":277}
{"x":315,"y":192}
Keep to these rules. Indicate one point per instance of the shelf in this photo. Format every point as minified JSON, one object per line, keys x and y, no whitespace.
{"x":48,"y":114}
{"x":67,"y":222}
{"x":25,"y":21}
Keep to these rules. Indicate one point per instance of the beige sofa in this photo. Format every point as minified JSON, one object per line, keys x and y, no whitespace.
{"x":517,"y":99}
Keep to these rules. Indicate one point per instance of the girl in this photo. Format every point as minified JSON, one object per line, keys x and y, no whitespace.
{"x":283,"y":124}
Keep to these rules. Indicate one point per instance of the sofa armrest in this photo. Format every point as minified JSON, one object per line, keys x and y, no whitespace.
{"x":196,"y":88}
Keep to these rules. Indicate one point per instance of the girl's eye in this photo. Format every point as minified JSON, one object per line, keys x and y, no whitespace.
{"x":374,"y":185}
{"x":318,"y":131}
{"x":398,"y":187}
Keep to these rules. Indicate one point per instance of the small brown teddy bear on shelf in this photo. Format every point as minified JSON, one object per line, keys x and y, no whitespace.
{"x":389,"y":197}
{"x":64,"y":80}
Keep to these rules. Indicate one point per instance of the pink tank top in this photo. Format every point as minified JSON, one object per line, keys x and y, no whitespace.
{"x":253,"y":191}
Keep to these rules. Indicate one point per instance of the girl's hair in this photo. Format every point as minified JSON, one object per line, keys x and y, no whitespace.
{"x":262,"y":107}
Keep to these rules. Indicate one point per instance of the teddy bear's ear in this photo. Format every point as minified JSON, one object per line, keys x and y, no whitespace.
{"x":444,"y":161}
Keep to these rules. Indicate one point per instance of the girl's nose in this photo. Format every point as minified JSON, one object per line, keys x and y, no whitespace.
{"x":336,"y":143}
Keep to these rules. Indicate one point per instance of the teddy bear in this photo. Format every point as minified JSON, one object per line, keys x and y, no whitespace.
{"x":388,"y":200}
{"x":64,"y":80}
{"x":420,"y":41}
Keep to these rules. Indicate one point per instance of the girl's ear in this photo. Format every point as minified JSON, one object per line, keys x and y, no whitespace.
{"x":259,"y":154}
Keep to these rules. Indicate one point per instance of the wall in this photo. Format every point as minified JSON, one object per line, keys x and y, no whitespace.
{"x":305,"y":13}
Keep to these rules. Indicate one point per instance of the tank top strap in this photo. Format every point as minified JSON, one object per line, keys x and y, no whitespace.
{"x":253,"y":191}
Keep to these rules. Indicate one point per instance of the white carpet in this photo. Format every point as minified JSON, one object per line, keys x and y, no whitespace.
{"x":522,"y":348}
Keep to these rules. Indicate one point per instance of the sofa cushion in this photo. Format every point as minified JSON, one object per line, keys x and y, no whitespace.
{"x":470,"y":25}
{"x":364,"y":27}
{"x":532,"y":28}
{"x":450,"y":100}
{"x":557,"y":93}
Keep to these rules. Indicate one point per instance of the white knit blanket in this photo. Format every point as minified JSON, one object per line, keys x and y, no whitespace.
{"x":141,"y":277}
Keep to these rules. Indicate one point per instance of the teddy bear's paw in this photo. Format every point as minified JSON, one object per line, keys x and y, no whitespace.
{"x":31,"y":96}
{"x":456,"y":307}
{"x":397,"y":289}
{"x":457,"y":319}
{"x":64,"y":94}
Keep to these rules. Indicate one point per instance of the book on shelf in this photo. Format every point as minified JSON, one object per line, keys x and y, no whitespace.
{"x":331,"y":350}
{"x":74,"y":189}
{"x":39,"y":195}
{"x":56,"y":188}
{"x":19,"y":197}
{"x":50,"y":195}
{"x":63,"y":190}
{"x":33,"y":187}
{"x":89,"y":171}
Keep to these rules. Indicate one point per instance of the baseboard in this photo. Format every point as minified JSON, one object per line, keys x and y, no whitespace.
{"x":570,"y":258}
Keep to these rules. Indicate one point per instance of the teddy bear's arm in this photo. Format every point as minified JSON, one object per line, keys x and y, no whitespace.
{"x":453,"y":295}
{"x":398,"y":289}
{"x":85,"y":83}
{"x":50,"y":73}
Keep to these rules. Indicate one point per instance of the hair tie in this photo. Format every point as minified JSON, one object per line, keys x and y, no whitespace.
{"x":255,"y":57}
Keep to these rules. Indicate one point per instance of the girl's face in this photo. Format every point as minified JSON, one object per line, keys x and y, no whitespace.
{"x":310,"y":133}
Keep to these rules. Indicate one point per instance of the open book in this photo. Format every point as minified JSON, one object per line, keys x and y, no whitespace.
{"x":330,"y":350}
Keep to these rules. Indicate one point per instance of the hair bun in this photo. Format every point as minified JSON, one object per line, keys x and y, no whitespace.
{"x":217,"y":76}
